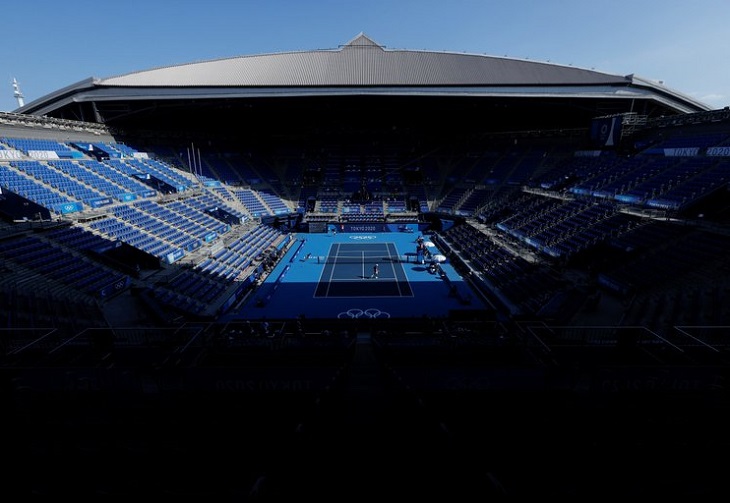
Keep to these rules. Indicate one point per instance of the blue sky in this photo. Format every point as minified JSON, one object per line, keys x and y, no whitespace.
{"x":50,"y":44}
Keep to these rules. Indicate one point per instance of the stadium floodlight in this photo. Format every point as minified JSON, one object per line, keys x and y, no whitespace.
{"x":17,"y":94}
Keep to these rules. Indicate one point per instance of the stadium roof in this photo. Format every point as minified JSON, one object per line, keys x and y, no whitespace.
{"x":362,"y":62}
{"x":360,"y":67}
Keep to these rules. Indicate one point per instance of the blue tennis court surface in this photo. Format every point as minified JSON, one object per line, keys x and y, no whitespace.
{"x":349,"y":264}
{"x":331,"y":276}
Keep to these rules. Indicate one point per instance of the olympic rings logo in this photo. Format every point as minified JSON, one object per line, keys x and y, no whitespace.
{"x":363,"y":237}
{"x":366,"y":313}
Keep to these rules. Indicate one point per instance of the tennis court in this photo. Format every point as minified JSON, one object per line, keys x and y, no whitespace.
{"x":347,"y":265}
{"x":329,"y":275}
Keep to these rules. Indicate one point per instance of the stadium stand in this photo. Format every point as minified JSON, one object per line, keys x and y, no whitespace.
{"x":574,"y":258}
{"x":583,"y":352}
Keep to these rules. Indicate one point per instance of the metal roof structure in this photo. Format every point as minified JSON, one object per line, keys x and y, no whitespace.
{"x":361,"y":62}
{"x":359,"y":68}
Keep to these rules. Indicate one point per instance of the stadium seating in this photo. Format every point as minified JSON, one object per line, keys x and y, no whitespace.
{"x":605,"y":273}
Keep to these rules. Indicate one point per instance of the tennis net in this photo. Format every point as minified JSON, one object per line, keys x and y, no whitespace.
{"x":359,"y":259}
